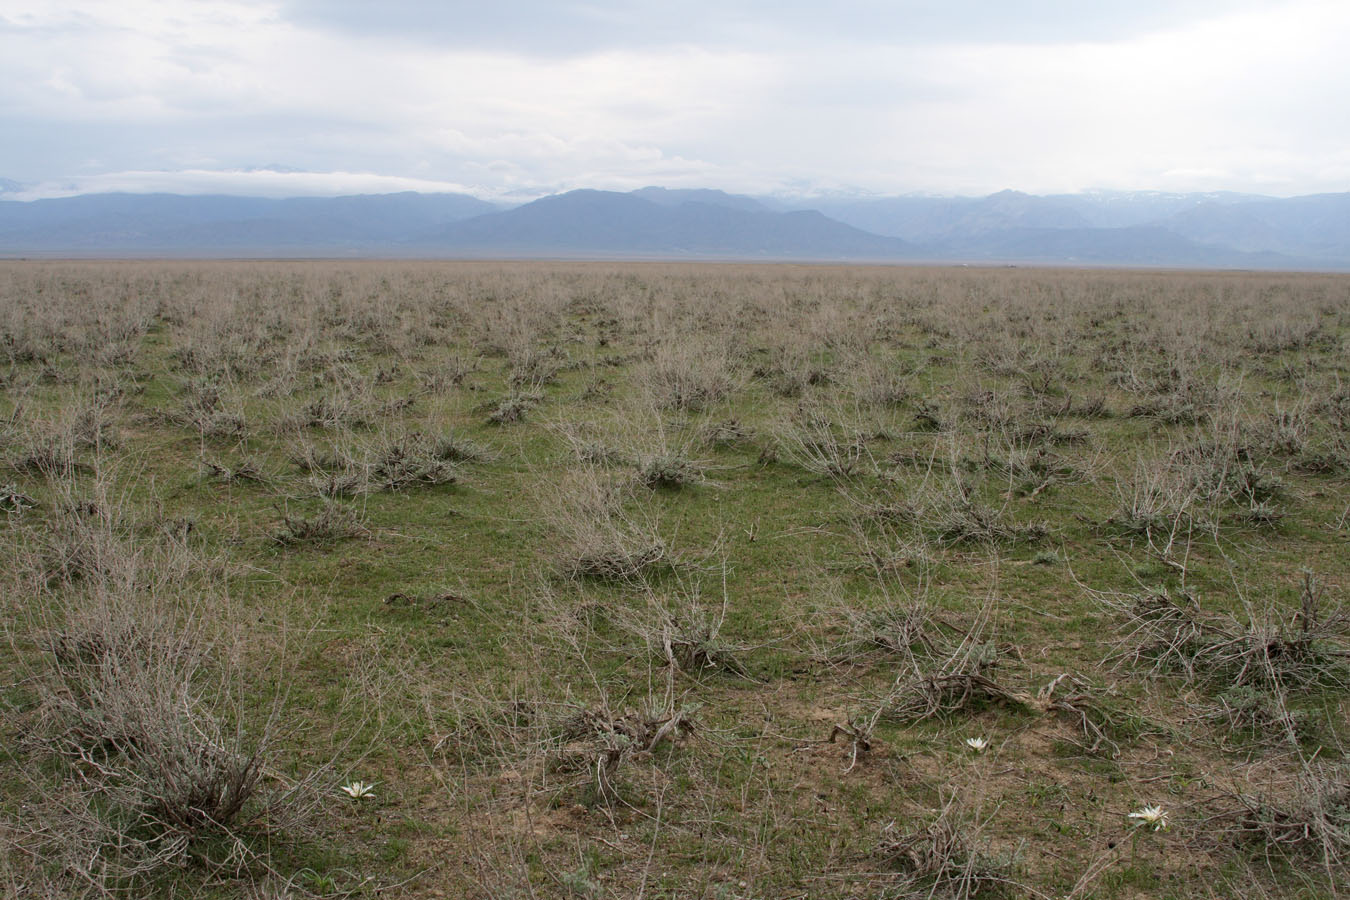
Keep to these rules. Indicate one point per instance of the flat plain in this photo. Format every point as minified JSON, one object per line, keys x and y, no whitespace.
{"x":416,"y":579}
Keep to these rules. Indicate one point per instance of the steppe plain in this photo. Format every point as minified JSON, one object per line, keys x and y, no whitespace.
{"x":601,"y":580}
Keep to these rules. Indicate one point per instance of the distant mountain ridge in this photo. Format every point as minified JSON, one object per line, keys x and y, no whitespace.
{"x":676,"y":196}
{"x":1222,"y":229}
{"x":586,"y":221}
{"x":1153,"y":228}
{"x":219,"y":224}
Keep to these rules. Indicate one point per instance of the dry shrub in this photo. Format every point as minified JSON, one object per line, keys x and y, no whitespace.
{"x":597,"y":741}
{"x":145,"y":753}
{"x":829,"y":442}
{"x":908,"y":629}
{"x":52,"y":449}
{"x":689,"y":376}
{"x":590,"y":444}
{"x":877,"y":385}
{"x":598,"y":530}
{"x":669,"y":470}
{"x":722,"y":434}
{"x":1026,"y":462}
{"x":248,"y":469}
{"x":391,"y":462}
{"x":948,"y":510}
{"x":947,"y":856}
{"x":334,"y":522}
{"x":637,"y":435}
{"x":680,"y":630}
{"x":142,"y":718}
{"x":1306,"y":648}
{"x":206,"y":411}
{"x":513,"y":407}
{"x":1304,"y":819}
{"x":87,"y":538}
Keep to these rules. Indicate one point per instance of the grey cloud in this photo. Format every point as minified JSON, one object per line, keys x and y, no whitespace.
{"x":543,"y":27}
{"x":1043,"y":95}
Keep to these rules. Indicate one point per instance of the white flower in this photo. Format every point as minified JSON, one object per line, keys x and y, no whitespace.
{"x":1151,"y":815}
{"x":359,"y":790}
{"x":977,"y":744}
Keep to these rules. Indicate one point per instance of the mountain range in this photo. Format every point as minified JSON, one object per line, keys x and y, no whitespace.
{"x":1222,"y":230}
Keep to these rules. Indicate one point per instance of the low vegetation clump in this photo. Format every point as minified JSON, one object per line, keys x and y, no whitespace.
{"x":599,"y":742}
{"x":144,"y":756}
{"x":1308,"y":648}
{"x":944,"y":857}
{"x":598,"y":530}
{"x":333,"y":522}
{"x":357,"y":579}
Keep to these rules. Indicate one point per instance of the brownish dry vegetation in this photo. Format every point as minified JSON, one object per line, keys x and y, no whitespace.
{"x":649,"y":580}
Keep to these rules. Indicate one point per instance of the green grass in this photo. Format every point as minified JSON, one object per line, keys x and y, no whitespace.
{"x":441,"y":652}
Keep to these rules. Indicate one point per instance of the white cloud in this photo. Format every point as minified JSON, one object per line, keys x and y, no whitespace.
{"x":141,"y":90}
{"x":250,"y":182}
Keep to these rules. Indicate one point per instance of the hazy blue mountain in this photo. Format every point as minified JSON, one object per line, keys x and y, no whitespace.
{"x":676,"y":196}
{"x":1136,"y":245}
{"x":1317,"y":225}
{"x":1099,"y":227}
{"x":1122,"y":209}
{"x":925,"y":218}
{"x":588,"y":222}
{"x":919,"y":219}
{"x":215,"y":225}
{"x":9,"y":187}
{"x":929,"y":219}
{"x":1128,"y":227}
{"x":1014,"y":209}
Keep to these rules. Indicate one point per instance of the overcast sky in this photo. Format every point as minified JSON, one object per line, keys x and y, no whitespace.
{"x":524,"y":98}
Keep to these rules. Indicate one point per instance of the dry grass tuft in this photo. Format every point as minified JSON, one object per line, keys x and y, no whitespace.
{"x":1307,"y":648}
{"x":948,"y":856}
{"x":598,"y":530}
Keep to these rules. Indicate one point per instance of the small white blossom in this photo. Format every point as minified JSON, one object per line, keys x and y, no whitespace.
{"x":359,"y":790}
{"x":977,"y":744}
{"x":1151,"y":815}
